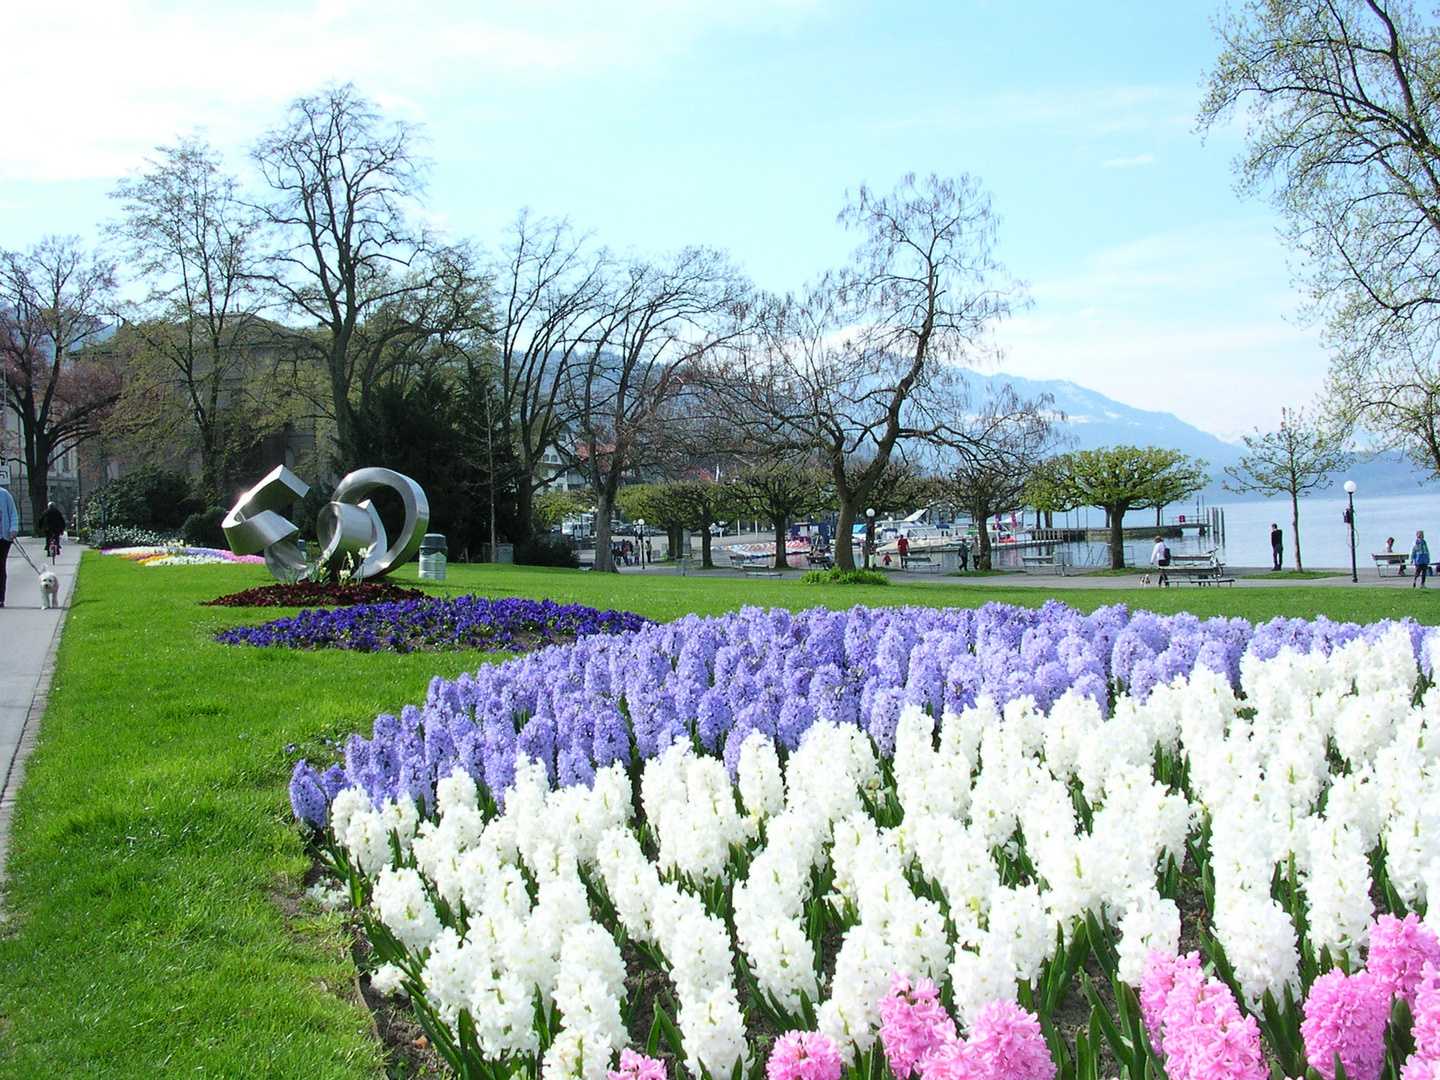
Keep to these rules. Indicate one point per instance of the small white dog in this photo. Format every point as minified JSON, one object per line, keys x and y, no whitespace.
{"x":49,"y":588}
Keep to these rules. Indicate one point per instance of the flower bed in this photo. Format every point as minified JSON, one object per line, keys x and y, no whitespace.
{"x":175,"y":555}
{"x":463,"y":622}
{"x":691,"y":838}
{"x":318,"y":594}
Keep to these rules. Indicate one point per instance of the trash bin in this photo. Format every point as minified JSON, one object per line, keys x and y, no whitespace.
{"x":432,"y":557}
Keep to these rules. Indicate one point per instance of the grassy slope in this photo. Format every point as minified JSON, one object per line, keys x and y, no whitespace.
{"x":152,"y":839}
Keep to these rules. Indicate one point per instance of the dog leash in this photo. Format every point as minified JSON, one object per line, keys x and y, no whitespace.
{"x":24,"y":555}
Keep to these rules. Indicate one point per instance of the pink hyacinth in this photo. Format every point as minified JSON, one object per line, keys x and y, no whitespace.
{"x":952,"y":1060}
{"x":913,"y":1023}
{"x":1195,"y":1023}
{"x":1007,"y":1043}
{"x":1399,"y":951}
{"x":1418,"y":1068}
{"x":635,"y":1066}
{"x":803,"y":1055}
{"x":1426,"y":1029}
{"x":1156,"y":983}
{"x":1345,"y":1016}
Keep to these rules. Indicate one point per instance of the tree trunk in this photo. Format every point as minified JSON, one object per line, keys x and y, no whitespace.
{"x":603,"y":513}
{"x":845,"y":538}
{"x":781,"y":563}
{"x":674,"y":534}
{"x":705,"y":559}
{"x":1158,"y":522}
{"x":524,"y":508}
{"x":1117,"y":536}
{"x":1295,"y":528}
{"x":982,"y":545}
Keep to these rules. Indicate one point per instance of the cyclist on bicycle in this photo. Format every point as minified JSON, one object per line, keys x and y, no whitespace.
{"x":51,"y":525}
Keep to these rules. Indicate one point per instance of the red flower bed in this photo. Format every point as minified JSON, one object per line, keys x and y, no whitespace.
{"x":315,"y":594}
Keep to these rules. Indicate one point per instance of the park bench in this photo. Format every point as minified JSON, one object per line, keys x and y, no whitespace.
{"x":1194,"y":569}
{"x":753,"y":565}
{"x":1043,"y":564}
{"x":1397,"y":559}
{"x":921,"y":563}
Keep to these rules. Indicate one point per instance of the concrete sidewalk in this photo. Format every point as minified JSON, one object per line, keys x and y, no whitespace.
{"x":29,"y":637}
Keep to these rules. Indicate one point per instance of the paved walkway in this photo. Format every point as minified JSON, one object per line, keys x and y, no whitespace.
{"x":29,"y":636}
{"x":1246,"y":577}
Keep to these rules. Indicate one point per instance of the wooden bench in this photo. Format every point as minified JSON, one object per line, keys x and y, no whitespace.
{"x":1043,"y":564}
{"x":1194,"y":569}
{"x":1397,"y":559}
{"x":753,"y":565}
{"x":922,"y":563}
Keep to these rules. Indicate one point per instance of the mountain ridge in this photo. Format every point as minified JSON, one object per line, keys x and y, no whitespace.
{"x":1094,"y":420}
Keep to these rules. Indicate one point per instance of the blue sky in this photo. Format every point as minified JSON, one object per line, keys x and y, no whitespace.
{"x":658,"y":123}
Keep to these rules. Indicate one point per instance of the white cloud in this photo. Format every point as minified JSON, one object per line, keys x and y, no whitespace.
{"x":1129,"y":162}
{"x":1198,"y":322}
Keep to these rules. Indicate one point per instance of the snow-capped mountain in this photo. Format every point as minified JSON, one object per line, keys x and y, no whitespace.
{"x":1094,"y":420}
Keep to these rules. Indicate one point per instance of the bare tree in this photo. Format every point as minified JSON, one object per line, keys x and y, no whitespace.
{"x":1294,"y":460}
{"x":550,"y":291}
{"x":660,"y":319}
{"x":869,"y":359}
{"x":344,"y":184}
{"x":189,"y":237}
{"x":1006,"y":440}
{"x":54,"y":302}
{"x":1342,"y":133}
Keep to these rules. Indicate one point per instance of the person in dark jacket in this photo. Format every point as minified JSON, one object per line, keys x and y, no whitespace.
{"x":50,"y":525}
{"x":1277,"y":546}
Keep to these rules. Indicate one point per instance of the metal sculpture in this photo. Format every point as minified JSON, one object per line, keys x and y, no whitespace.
{"x":349,"y":527}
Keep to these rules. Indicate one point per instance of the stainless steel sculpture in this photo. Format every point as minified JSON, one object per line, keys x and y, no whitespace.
{"x":348,"y":526}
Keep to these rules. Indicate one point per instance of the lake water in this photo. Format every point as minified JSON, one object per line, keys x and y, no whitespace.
{"x":1324,"y":537}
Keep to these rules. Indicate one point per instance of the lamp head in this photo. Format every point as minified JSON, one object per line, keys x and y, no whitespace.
{"x":870,"y":513}
{"x":1350,"y":487}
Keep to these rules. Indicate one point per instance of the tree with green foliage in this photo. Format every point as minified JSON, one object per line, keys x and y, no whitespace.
{"x":780,"y":492}
{"x":1294,"y":460}
{"x":677,"y":506}
{"x":1118,"y":479}
{"x":549,"y":509}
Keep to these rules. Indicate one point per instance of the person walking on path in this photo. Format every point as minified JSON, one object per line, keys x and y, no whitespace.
{"x":964,"y":554}
{"x":9,"y":529}
{"x":1277,"y":546}
{"x":1160,"y":557}
{"x":1420,"y":556}
{"x":51,"y":525}
{"x":903,"y":546}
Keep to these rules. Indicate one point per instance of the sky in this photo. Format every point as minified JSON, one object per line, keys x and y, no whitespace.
{"x":742,"y":125}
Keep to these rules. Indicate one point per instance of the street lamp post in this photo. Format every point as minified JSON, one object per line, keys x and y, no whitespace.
{"x":1350,"y":520}
{"x":869,"y":537}
{"x":644,"y":540}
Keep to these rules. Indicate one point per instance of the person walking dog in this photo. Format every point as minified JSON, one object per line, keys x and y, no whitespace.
{"x":1277,"y":546}
{"x":9,"y":529}
{"x":1420,"y":556}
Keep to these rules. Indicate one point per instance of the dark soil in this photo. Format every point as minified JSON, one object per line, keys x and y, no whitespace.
{"x":309,"y":594}
{"x":403,"y":1047}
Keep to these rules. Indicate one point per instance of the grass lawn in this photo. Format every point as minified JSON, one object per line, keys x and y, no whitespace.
{"x":153,"y":866}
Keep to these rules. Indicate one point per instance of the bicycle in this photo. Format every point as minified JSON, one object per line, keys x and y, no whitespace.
{"x":52,"y":547}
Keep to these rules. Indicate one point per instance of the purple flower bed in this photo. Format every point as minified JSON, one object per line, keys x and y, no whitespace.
{"x":432,"y":624}
{"x":580,"y":707}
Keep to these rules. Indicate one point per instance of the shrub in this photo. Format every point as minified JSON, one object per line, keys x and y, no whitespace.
{"x":837,"y":576}
{"x":548,"y":550}
{"x":148,"y":498}
{"x":203,"y":529}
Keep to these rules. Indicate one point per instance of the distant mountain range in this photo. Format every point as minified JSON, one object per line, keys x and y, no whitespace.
{"x":1095,"y":420}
